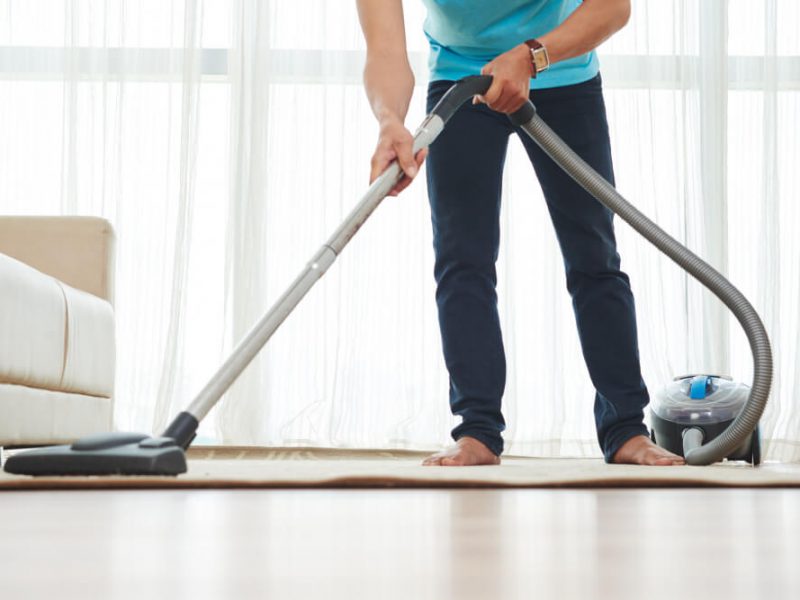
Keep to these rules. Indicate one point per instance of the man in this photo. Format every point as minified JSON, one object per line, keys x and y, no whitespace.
{"x":542,"y":49}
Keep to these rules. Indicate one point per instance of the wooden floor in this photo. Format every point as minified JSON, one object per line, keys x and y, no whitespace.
{"x":410,"y":544}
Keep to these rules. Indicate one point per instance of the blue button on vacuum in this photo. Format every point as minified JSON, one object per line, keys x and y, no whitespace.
{"x":697,"y":389}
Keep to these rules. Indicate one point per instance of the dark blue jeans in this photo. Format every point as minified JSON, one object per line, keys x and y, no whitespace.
{"x":464,"y":170}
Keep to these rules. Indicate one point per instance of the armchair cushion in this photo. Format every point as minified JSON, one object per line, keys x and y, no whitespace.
{"x":53,"y":337}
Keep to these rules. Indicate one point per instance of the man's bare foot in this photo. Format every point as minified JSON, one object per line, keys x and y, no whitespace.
{"x":640,"y":450}
{"x":466,"y":452}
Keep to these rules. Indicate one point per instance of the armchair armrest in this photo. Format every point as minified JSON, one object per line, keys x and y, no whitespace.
{"x":78,"y":251}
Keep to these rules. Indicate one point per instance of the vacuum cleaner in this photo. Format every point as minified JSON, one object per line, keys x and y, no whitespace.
{"x":142,"y":454}
{"x":696,"y":408}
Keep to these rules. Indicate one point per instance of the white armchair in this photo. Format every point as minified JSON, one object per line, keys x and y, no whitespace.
{"x":57,"y":351}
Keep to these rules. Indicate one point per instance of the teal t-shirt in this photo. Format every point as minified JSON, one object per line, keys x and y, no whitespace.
{"x":466,"y":34}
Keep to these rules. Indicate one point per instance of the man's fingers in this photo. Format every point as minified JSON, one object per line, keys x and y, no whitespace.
{"x":504,"y":101}
{"x":520,"y":97}
{"x":373,"y":173}
{"x":401,"y":185}
{"x":377,"y":169}
{"x":394,"y":143}
{"x":421,"y":156}
{"x":494,"y":92}
{"x":502,"y":97}
{"x":482,"y":98}
{"x":500,"y":103}
{"x":510,"y":101}
{"x":383,"y":157}
{"x":380,"y":160}
{"x":406,"y":158}
{"x":406,"y":181}
{"x":418,"y":160}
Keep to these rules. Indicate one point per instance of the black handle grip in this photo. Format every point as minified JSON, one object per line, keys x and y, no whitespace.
{"x":464,"y":89}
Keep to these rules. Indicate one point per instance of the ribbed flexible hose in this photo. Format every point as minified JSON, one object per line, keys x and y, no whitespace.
{"x":692,"y":439}
{"x":744,"y":424}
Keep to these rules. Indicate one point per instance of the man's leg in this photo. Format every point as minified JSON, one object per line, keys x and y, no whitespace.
{"x":601,"y":293}
{"x":464,"y":171}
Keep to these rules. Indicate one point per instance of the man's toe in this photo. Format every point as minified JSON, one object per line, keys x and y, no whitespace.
{"x":668,"y":460}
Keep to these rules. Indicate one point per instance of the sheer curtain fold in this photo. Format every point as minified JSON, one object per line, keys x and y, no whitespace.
{"x":247,"y":407}
{"x":191,"y":71}
{"x":226,"y":139}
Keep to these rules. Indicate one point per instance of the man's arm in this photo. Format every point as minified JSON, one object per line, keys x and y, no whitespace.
{"x":593,"y":22}
{"x":389,"y":83}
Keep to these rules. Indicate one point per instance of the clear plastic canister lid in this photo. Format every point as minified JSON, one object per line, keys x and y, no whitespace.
{"x":699,"y":399}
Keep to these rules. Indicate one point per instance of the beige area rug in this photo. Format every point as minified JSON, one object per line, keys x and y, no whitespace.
{"x":253,"y":467}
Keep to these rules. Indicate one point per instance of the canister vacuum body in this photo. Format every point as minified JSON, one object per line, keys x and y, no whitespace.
{"x":694,"y":409}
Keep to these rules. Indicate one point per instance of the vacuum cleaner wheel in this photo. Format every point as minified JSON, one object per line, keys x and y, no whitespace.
{"x":755,"y":447}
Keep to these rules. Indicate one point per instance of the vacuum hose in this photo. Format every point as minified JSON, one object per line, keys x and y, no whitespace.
{"x":533,"y":125}
{"x":692,"y":439}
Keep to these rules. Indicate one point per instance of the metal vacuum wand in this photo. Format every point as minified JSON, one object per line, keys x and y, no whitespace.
{"x":183,"y":427}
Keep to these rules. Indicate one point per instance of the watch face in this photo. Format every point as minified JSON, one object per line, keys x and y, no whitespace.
{"x":540,"y":59}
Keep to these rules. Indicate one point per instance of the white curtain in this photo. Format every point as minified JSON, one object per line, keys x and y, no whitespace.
{"x":225,"y":140}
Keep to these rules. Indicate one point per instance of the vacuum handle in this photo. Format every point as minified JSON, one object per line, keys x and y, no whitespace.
{"x":463,"y":90}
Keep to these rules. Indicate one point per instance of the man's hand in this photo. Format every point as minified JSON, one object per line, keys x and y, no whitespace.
{"x":395,"y":142}
{"x":510,"y":88}
{"x":389,"y":83}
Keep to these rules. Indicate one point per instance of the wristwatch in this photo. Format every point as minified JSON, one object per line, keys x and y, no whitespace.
{"x":540,"y":60}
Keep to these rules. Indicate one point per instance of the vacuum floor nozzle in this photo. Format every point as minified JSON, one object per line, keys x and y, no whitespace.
{"x":103,"y":454}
